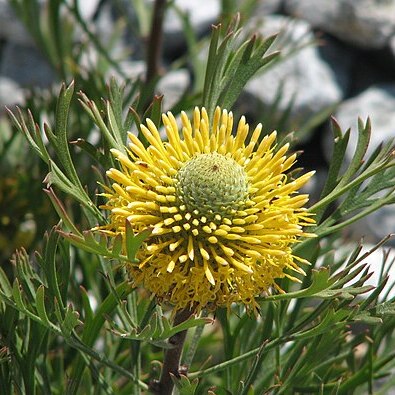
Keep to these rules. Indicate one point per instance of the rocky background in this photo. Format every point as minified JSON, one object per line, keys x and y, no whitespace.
{"x":349,"y":72}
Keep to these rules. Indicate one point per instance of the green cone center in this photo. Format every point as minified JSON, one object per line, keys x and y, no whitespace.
{"x":212,"y":183}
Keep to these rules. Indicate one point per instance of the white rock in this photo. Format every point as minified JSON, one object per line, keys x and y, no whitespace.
{"x":10,"y":93}
{"x":172,"y":86}
{"x":86,"y":8}
{"x":133,"y":69}
{"x":378,"y":103}
{"x":366,"y":23}
{"x":201,"y":17}
{"x":374,"y":261}
{"x":104,"y":26}
{"x":382,"y":223}
{"x":303,"y":76}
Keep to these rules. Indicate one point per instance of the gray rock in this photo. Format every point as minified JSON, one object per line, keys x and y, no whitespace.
{"x":341,"y":58}
{"x":87,"y":8}
{"x":118,"y":50}
{"x":392,"y":46}
{"x":302,"y":76}
{"x":374,"y":260}
{"x":365,"y":23}
{"x":11,"y":28}
{"x":378,"y":103}
{"x":26,"y":66}
{"x":104,"y":27}
{"x":268,"y":7}
{"x":201,"y":16}
{"x":381,"y":223}
{"x":172,"y":86}
{"x":133,"y":69}
{"x":10,"y":93}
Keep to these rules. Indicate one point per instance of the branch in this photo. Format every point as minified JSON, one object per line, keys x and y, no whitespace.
{"x":171,"y":363}
{"x":155,"y":41}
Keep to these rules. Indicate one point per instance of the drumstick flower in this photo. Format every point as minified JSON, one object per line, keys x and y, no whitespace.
{"x":223,"y":212}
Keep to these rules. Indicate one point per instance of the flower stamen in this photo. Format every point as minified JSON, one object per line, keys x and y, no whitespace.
{"x":224,"y":214}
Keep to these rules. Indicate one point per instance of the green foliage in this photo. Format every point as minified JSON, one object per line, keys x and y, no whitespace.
{"x":308,"y":346}
{"x":229,"y":69}
{"x":70,"y":323}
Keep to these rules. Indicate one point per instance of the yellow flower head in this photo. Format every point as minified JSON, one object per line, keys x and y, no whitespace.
{"x":224,"y":215}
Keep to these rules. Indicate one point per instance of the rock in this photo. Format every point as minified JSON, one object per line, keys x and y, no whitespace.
{"x":131,"y":69}
{"x":26,"y":66}
{"x":201,"y":17}
{"x":111,"y":36}
{"x":11,"y":28}
{"x":378,"y":103}
{"x":86,"y":8}
{"x":303,"y":77}
{"x":174,"y":41}
{"x":374,"y":261}
{"x":365,"y":23}
{"x":268,"y":7}
{"x":381,"y":223}
{"x":371,"y":67}
{"x":392,"y":46}
{"x":341,"y":58}
{"x":106,"y":26}
{"x":10,"y":93}
{"x":172,"y":86}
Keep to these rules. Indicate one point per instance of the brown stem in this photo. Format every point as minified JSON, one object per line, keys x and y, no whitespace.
{"x":155,"y":41}
{"x":171,"y":363}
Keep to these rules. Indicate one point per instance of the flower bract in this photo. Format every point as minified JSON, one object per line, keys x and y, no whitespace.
{"x":223,"y":211}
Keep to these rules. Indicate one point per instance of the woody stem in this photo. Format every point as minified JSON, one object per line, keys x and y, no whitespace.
{"x":171,"y":363}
